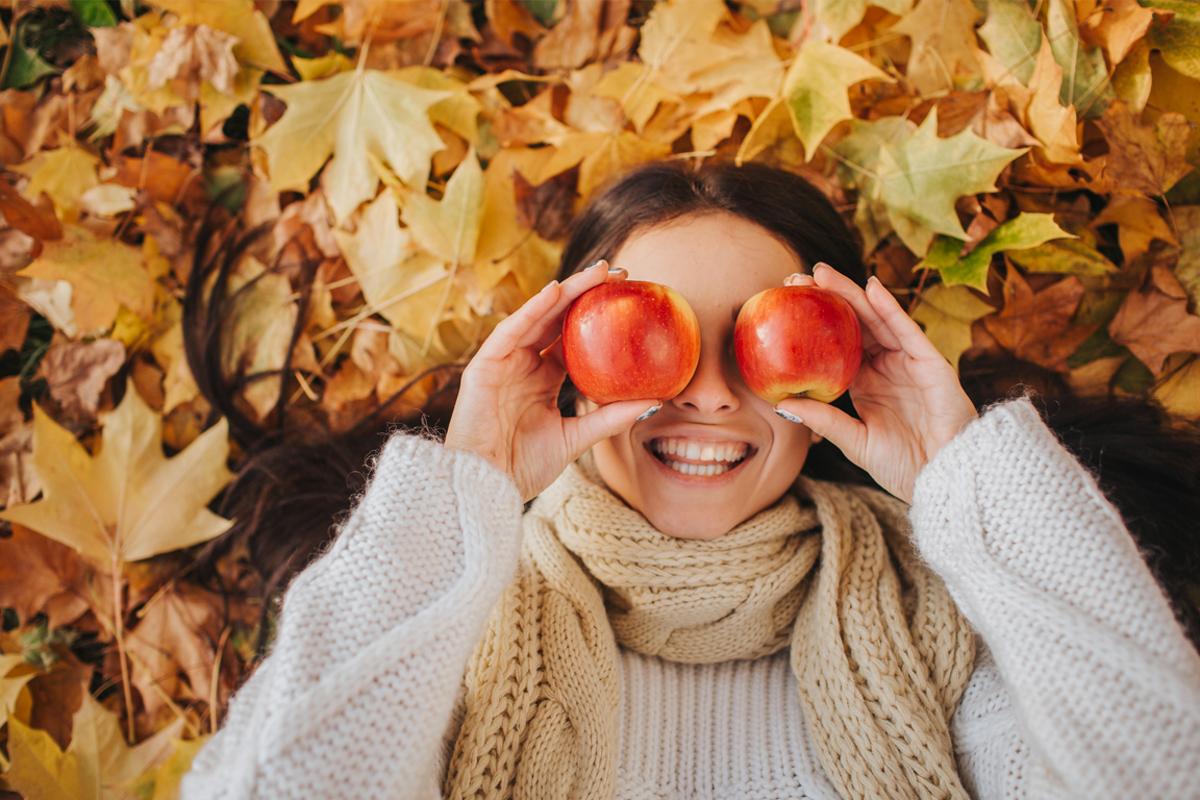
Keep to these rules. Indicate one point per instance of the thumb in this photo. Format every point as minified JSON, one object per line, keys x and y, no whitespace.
{"x":603,"y":422}
{"x":828,"y":421}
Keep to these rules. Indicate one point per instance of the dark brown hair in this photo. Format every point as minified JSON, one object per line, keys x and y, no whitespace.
{"x":292,"y":491}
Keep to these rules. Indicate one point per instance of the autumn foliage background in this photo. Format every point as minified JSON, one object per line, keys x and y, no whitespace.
{"x":1021,"y":175}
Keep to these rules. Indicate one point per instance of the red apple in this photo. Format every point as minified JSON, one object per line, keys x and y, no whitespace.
{"x":797,"y":341}
{"x":630,"y":340}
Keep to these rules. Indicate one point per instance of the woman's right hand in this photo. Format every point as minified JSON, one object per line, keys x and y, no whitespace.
{"x":507,"y":409}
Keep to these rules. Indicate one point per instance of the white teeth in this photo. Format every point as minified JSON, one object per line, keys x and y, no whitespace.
{"x":696,"y":469}
{"x":725,"y":452}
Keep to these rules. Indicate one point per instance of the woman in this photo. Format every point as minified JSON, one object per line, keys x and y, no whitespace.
{"x":757,"y":633}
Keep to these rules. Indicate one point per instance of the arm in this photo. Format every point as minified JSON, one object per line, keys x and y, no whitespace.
{"x":1104,"y":685}
{"x":373,"y":638}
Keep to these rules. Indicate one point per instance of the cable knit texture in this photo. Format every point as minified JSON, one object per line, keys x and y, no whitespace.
{"x":1083,"y":685}
{"x":880,"y":666}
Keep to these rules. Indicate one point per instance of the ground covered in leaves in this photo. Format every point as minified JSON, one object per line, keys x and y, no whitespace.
{"x":1021,"y":174}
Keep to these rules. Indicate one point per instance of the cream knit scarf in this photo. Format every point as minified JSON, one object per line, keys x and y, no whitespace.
{"x":880,"y":651}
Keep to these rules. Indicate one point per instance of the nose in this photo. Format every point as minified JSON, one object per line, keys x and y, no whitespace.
{"x":711,"y":389}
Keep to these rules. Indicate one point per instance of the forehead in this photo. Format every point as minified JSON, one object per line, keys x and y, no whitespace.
{"x":716,"y":260}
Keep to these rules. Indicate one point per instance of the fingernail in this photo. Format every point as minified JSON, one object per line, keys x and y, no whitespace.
{"x":616,"y":270}
{"x":594,"y":264}
{"x":790,"y":417}
{"x":649,"y":412}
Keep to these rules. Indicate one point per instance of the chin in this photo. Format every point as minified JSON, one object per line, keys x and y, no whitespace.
{"x":686,"y":523}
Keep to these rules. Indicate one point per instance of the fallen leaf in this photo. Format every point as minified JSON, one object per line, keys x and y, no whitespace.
{"x":349,"y":116}
{"x":104,"y":275}
{"x":1117,"y":25}
{"x":1143,"y":159}
{"x":39,"y":575}
{"x":919,"y":179}
{"x":943,"y":44}
{"x":1187,"y":269}
{"x":128,"y":502}
{"x":1154,"y":322}
{"x":1180,"y":393}
{"x":64,"y":174}
{"x":1069,"y":256}
{"x":815,"y":89}
{"x":1038,"y":326}
{"x":1024,"y":231}
{"x":946,"y":313}
{"x":98,"y":763}
{"x":449,"y":229}
{"x":76,"y":373}
{"x":1085,"y":84}
{"x":839,"y":16}
{"x":176,"y":635}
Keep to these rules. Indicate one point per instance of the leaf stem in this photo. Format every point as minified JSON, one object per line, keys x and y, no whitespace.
{"x":118,"y":630}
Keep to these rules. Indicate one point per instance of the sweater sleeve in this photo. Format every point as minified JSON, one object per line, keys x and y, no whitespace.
{"x":1104,"y":685}
{"x":358,"y":689}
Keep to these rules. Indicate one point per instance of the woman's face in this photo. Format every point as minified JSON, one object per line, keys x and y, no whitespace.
{"x":716,"y":261}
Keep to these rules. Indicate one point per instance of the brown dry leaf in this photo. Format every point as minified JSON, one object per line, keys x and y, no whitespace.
{"x":40,"y":223}
{"x":77,"y":372}
{"x":590,"y":30}
{"x":548,"y":207}
{"x":40,"y":575}
{"x":1143,"y":159}
{"x":1038,"y":326}
{"x":176,"y":635}
{"x":1154,"y":322}
{"x":127,"y":502}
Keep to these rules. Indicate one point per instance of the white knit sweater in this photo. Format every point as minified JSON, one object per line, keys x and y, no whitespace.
{"x":1085,"y":685}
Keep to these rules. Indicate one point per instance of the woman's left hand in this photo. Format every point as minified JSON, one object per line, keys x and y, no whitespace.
{"x":906,"y":393}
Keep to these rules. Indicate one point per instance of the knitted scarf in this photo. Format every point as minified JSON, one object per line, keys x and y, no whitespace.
{"x":879,"y":649}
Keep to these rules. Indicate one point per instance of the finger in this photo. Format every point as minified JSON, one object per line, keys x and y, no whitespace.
{"x":510,"y":331}
{"x":829,"y":278}
{"x":554,"y":352}
{"x":603,"y":422}
{"x":912,"y":339}
{"x":549,"y":326}
{"x":846,"y":432}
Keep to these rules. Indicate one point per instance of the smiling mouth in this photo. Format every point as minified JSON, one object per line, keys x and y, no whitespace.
{"x":700,"y":461}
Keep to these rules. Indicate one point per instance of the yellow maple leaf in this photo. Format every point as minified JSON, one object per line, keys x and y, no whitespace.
{"x":399,"y":282}
{"x":96,"y":764}
{"x":351,"y":115}
{"x":449,"y":229}
{"x":64,"y":174}
{"x":815,"y":89}
{"x":128,"y":502}
{"x":239,"y":18}
{"x":947,"y":312}
{"x":104,"y":275}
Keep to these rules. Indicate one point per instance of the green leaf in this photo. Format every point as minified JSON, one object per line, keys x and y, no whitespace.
{"x":1098,"y":345}
{"x":26,"y":65}
{"x":94,"y":13}
{"x":1085,"y":75}
{"x":857,"y":156}
{"x":1022,"y":232}
{"x":1179,"y":39}
{"x":920,"y":178}
{"x":1013,"y":36}
{"x":815,"y":89}
{"x":1133,"y":377}
{"x":1071,"y":257}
